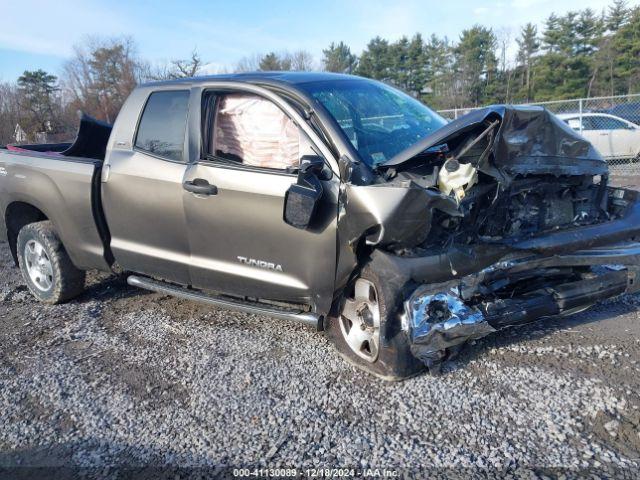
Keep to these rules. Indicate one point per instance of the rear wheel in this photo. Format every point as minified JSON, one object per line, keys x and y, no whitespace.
{"x":367,"y":332}
{"x":45,"y":265}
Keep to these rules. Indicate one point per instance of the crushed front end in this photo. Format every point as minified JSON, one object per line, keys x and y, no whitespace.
{"x":497,"y":219}
{"x":438,"y":318}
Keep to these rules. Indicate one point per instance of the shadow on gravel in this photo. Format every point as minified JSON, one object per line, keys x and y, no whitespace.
{"x":60,"y":462}
{"x":541,"y":328}
{"x":103,"y":286}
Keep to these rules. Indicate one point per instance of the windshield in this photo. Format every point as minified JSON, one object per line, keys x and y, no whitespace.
{"x":379,"y":121}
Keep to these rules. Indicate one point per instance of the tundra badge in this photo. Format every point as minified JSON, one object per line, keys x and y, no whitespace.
{"x":260,"y":263}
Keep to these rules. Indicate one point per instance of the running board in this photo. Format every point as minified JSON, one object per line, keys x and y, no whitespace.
{"x":308,"y":318}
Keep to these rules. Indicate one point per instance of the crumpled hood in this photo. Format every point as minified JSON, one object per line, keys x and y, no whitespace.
{"x":530,"y":140}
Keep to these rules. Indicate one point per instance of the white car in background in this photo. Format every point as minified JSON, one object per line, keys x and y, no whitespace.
{"x":612,"y":136}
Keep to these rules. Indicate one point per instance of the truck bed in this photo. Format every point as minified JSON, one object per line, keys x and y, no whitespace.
{"x":65,"y":189}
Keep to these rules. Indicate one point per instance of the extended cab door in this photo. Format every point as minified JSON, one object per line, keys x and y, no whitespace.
{"x":251,"y":147}
{"x":142,"y":192}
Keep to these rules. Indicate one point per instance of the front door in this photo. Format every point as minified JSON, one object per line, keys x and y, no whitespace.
{"x":595,"y":129}
{"x":239,"y":241}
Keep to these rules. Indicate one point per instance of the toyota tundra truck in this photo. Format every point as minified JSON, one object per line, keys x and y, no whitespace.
{"x":329,"y":199}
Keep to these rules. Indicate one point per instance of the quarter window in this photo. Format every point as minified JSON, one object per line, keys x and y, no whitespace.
{"x":163,"y":123}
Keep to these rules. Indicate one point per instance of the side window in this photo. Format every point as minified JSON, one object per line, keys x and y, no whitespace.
{"x":589,"y":123}
{"x":608,"y":123}
{"x":163,"y":123}
{"x":252,"y":130}
{"x":573,"y":123}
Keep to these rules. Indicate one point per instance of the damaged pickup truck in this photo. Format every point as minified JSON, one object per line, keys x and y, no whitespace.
{"x":328,"y":199}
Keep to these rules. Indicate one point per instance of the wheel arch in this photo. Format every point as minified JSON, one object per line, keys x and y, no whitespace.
{"x":17,"y":215}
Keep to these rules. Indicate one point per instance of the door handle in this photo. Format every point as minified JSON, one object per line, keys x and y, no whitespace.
{"x":200,"y":186}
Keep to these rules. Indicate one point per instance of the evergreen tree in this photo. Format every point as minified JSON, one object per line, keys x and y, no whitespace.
{"x":440,"y":89}
{"x":626,"y":48}
{"x":375,"y":60}
{"x":273,"y":62}
{"x":552,"y":35}
{"x":399,"y":63}
{"x":617,"y":16}
{"x":416,"y":66}
{"x":37,"y":100}
{"x":528,"y":47}
{"x":475,"y":63}
{"x":338,"y":58}
{"x":567,"y":68}
{"x":588,"y":32}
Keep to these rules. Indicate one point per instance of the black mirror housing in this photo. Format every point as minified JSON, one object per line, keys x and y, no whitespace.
{"x":300,"y":204}
{"x":302,"y":198}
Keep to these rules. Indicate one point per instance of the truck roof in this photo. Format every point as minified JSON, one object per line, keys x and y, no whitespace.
{"x":290,"y":78}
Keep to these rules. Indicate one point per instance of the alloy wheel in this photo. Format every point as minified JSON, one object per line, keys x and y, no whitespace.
{"x":360,"y":320}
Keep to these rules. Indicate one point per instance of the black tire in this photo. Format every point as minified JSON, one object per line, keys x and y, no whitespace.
{"x":66,"y":281}
{"x":394,"y":360}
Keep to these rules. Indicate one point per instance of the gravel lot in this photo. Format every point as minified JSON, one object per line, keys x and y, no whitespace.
{"x":123,"y":378}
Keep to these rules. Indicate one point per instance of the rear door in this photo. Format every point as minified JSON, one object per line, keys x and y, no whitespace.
{"x":142,"y":190}
{"x":240,"y":244}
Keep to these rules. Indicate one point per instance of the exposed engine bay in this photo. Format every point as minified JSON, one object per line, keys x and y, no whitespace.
{"x":497,"y":219}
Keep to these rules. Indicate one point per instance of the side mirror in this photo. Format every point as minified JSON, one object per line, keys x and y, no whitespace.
{"x":302,"y":198}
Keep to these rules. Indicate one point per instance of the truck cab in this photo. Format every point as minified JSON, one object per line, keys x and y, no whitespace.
{"x":197,"y":212}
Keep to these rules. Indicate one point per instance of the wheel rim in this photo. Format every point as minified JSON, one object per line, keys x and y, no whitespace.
{"x":360,"y":321}
{"x":38,"y":265}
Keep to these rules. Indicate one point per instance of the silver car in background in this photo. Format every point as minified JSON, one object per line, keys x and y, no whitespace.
{"x":612,"y":136}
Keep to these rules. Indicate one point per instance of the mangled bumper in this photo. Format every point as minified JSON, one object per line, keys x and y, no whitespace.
{"x":439,"y":317}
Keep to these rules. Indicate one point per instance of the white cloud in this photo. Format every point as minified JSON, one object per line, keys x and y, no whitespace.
{"x":480,"y":10}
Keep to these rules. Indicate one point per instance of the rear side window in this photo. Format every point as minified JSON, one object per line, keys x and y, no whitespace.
{"x":163,"y":123}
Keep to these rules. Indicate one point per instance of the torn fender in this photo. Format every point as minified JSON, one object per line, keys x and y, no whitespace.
{"x":392,"y":216}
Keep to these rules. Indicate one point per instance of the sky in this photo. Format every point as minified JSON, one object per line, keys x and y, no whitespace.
{"x":41,"y":34}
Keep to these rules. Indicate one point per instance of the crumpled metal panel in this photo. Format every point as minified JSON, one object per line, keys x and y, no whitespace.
{"x":398,"y":214}
{"x":438,"y":321}
{"x":530,"y":140}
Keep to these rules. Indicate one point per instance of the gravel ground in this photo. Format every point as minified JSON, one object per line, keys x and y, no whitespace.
{"x":122,"y":378}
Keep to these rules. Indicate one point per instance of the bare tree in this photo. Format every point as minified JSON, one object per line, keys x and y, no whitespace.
{"x":188,"y":68}
{"x":249,"y":64}
{"x":101,"y":75}
{"x":9,"y":112}
{"x":302,"y":60}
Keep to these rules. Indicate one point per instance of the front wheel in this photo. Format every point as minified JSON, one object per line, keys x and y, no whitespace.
{"x":366,"y":330}
{"x":45,"y":265}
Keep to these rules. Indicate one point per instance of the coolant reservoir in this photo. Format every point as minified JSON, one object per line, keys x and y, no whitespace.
{"x":457,"y":177}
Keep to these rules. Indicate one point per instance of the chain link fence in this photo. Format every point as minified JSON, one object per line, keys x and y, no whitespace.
{"x":611,"y":124}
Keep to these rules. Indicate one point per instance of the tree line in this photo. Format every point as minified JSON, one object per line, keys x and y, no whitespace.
{"x":578,"y":54}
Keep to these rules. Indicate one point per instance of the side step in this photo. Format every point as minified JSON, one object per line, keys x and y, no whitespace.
{"x":309,"y":318}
